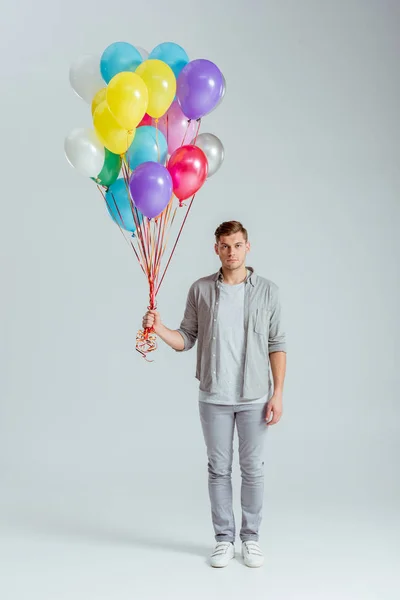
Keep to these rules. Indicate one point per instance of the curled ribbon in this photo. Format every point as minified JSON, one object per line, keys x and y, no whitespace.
{"x":146,"y":339}
{"x":146,"y":342}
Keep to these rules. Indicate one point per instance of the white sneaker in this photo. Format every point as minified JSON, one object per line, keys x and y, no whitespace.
{"x":223,"y":552}
{"x":252,"y":555}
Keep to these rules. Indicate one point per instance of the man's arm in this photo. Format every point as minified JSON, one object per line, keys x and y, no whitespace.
{"x":185,"y":337}
{"x":277,"y":336}
{"x":277,"y":358}
{"x":278,"y":368}
{"x":277,"y":342}
{"x":171,"y":337}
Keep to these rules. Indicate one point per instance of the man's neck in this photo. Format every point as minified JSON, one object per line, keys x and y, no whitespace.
{"x":234,"y":277}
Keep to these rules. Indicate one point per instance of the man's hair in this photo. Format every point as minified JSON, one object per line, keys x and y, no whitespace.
{"x":229,"y":228}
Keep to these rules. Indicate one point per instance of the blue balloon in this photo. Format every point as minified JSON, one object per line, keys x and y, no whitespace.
{"x":149,"y":145}
{"x":118,"y":203}
{"x":118,"y":57}
{"x":172,"y":54}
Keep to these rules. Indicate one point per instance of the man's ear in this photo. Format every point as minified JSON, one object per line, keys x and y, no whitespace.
{"x":216,"y":248}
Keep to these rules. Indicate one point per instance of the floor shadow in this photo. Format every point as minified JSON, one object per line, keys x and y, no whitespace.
{"x":98,"y":533}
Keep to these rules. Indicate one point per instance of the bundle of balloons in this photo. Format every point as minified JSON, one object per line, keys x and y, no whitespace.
{"x":144,"y":151}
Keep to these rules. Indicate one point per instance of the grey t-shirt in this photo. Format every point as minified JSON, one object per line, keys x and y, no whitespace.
{"x":230,"y":348}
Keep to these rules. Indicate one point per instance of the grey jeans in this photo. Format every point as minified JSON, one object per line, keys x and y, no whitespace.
{"x":218,"y":423}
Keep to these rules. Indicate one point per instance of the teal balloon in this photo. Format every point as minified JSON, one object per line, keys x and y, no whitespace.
{"x":119,"y":206}
{"x":118,"y":57}
{"x":149,"y":145}
{"x":172,"y":54}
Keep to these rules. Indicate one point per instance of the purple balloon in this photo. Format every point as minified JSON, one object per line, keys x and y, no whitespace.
{"x":151,"y":188}
{"x":200,"y":87}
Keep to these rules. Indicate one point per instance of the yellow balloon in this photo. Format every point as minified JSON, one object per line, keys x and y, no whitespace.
{"x":161,"y":83}
{"x":98,"y":98}
{"x":114,"y":137}
{"x":127,"y":98}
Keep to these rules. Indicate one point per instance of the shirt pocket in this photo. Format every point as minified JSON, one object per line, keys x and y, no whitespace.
{"x":262,"y":321}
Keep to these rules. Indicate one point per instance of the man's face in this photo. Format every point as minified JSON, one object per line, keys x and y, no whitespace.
{"x":232,"y":251}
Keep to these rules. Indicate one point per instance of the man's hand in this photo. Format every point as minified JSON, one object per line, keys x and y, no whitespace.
{"x":173,"y":338}
{"x":274,"y":406}
{"x":151,"y":319}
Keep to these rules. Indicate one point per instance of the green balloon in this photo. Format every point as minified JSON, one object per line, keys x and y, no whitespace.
{"x":110,"y":170}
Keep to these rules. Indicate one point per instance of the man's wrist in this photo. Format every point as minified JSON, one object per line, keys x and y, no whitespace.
{"x":278,"y":392}
{"x":160,"y":329}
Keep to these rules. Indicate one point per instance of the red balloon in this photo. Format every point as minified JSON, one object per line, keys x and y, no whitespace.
{"x":147,"y":120}
{"x":188,"y":167}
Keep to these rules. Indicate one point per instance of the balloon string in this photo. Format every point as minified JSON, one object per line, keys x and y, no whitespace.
{"x":158,"y":145}
{"x":165,"y":217}
{"x":198,"y":129}
{"x":161,"y":223}
{"x":159,"y":230}
{"x":168,"y":235}
{"x":126,"y":175}
{"x":166,"y":221}
{"x":120,"y":228}
{"x":152,"y":243}
{"x":146,"y":340}
{"x":186,"y":132}
{"x":177,"y":239}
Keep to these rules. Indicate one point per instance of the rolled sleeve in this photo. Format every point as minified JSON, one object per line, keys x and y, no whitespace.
{"x":277,"y":335}
{"x":189,"y":325}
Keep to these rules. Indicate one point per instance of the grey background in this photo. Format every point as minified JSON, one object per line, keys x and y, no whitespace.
{"x":102,"y":461}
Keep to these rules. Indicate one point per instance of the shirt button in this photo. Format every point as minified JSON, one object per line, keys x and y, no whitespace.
{"x":213,"y":338}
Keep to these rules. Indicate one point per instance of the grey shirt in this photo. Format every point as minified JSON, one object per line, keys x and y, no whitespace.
{"x":264,"y":332}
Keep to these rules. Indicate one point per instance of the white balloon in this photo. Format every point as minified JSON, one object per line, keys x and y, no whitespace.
{"x":85,"y":77}
{"x":85,"y":152}
{"x":213,"y":149}
{"x":143,"y":52}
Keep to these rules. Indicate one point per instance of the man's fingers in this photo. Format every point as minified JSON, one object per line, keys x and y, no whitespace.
{"x":275,"y":419}
{"x":148,"y":322}
{"x":275,"y":416}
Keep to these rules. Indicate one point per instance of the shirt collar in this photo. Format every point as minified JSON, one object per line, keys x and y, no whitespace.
{"x":251,"y":278}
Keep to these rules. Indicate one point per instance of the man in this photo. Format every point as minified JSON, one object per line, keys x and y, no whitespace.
{"x":235,"y":316}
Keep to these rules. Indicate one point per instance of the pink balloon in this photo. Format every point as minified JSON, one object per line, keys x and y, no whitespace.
{"x":188,"y":167}
{"x":147,"y":120}
{"x":175,"y":127}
